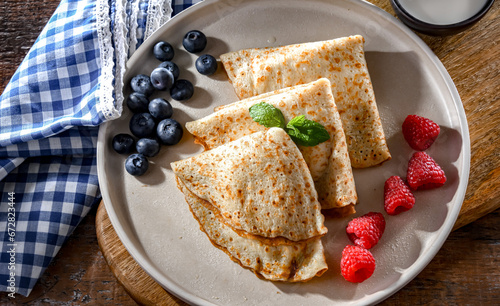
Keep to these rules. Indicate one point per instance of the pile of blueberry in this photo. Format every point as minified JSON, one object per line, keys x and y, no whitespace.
{"x":152,"y":128}
{"x":151,"y":123}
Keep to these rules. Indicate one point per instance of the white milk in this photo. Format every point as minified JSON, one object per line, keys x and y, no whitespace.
{"x":442,"y":11}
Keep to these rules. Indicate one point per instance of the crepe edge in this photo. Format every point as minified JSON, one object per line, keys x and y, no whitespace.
{"x":293,"y":271}
{"x":274,"y":241}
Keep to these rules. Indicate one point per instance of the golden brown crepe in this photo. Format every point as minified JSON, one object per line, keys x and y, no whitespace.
{"x":259,"y":184}
{"x":342,"y":61}
{"x":328,"y":162}
{"x":296,"y":262}
{"x":253,"y":197}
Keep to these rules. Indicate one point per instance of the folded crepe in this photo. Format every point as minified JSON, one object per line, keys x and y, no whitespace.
{"x":295,"y":262}
{"x":328,"y":162}
{"x":260,"y":184}
{"x":253,"y":197}
{"x":256,"y":71}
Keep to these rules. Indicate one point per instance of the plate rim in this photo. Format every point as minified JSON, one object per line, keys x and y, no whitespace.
{"x":410,"y":273}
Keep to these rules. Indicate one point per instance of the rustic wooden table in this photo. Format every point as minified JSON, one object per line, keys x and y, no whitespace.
{"x":466,"y":269}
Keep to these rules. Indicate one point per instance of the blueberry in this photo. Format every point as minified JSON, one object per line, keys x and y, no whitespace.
{"x":163,"y":51}
{"x":123,"y":143}
{"x":142,"y":125}
{"x":172,"y":67}
{"x":142,"y":84}
{"x":182,"y":90}
{"x":194,"y":41}
{"x":162,"y":78}
{"x":148,"y":147}
{"x":136,"y":164}
{"x":206,"y":64}
{"x":137,"y":102}
{"x":169,"y":131}
{"x":160,"y":109}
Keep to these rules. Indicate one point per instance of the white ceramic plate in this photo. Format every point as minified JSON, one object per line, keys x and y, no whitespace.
{"x":154,"y":223}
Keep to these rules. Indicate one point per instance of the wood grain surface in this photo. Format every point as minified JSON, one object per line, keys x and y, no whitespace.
{"x":464,"y":272}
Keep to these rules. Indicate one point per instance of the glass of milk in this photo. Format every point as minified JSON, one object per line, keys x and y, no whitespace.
{"x":440,"y":17}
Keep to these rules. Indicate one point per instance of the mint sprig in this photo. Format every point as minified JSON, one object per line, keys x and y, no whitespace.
{"x":306,"y":132}
{"x":303,"y":131}
{"x":267,"y":115}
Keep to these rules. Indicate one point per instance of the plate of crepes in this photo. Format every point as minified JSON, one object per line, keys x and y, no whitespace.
{"x":324,"y":162}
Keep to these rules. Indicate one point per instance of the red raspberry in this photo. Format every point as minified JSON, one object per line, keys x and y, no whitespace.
{"x":424,"y":173}
{"x":420,"y":132}
{"x":357,"y":264}
{"x":397,"y":196}
{"x":365,"y":231}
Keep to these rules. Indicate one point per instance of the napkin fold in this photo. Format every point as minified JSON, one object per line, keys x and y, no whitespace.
{"x":68,"y":84}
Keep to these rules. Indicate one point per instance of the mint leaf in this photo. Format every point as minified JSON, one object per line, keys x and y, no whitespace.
{"x":306,"y":132}
{"x":267,"y":115}
{"x":303,"y":131}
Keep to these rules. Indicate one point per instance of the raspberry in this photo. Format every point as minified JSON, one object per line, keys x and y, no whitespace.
{"x":365,"y":231}
{"x":357,"y":264}
{"x":424,"y":173}
{"x":420,"y":132}
{"x":397,"y":196}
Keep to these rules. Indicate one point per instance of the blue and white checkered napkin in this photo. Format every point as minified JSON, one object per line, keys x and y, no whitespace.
{"x":69,"y":83}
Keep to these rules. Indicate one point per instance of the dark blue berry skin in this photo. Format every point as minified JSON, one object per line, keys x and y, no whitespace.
{"x":160,"y":109}
{"x":182,"y":90}
{"x":194,"y":41}
{"x":136,"y":164}
{"x":172,"y":67}
{"x":162,"y":78}
{"x":137,"y":102}
{"x":148,"y":147}
{"x":123,"y":143}
{"x":163,"y":51}
{"x":142,"y":84}
{"x":169,"y":132}
{"x":206,"y":64}
{"x":142,"y":125}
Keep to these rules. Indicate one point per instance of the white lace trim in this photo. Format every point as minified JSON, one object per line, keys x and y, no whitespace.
{"x":159,"y":12}
{"x":105,"y":94}
{"x":124,"y":37}
{"x":121,"y":51}
{"x":132,"y":36}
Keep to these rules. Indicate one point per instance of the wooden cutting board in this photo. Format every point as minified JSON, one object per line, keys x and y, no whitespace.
{"x":472,"y":64}
{"x":138,"y":284}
